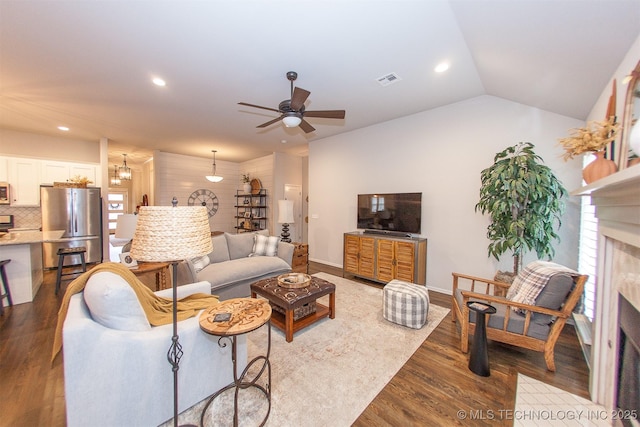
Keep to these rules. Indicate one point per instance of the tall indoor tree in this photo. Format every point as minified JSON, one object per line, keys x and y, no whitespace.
{"x":525,"y":202}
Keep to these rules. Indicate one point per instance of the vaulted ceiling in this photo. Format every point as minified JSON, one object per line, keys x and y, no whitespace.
{"x":88,"y":65}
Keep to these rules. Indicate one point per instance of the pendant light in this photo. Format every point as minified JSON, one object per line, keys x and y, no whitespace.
{"x":115,"y":181}
{"x":124,"y":172}
{"x":213,"y":177}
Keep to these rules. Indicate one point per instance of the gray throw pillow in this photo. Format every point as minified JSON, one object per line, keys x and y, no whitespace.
{"x":553,"y":296}
{"x":220,"y":249}
{"x":240,"y":245}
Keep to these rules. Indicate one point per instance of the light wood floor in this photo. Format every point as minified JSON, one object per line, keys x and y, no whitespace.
{"x":428,"y":391}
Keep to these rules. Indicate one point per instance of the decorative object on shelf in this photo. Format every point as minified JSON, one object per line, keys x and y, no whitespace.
{"x":591,"y":138}
{"x":630,"y":139}
{"x":213,"y":177}
{"x":524,"y":218}
{"x":256,"y":186}
{"x":599,"y":168}
{"x":285,"y":217}
{"x":294,"y":280}
{"x":206,"y":198}
{"x":124,"y":171}
{"x":246,"y":183}
{"x":172,"y":234}
{"x":75,"y":182}
{"x":115,"y":180}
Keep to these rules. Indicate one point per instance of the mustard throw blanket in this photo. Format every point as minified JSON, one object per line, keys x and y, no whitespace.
{"x":157,"y":309}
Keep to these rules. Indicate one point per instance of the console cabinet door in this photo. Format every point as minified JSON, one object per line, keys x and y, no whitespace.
{"x":367,"y":257}
{"x":386,"y":260}
{"x":351,"y":250}
{"x":405,"y":258}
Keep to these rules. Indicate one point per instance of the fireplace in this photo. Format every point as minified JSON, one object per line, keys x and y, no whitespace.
{"x":614,"y":351}
{"x":627,"y":399}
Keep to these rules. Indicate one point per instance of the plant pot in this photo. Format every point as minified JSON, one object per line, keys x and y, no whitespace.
{"x":599,"y":168}
{"x":246,"y":187}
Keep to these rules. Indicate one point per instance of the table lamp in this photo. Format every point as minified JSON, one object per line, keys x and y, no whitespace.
{"x":172,"y":234}
{"x":126,"y":226}
{"x":285,"y":217}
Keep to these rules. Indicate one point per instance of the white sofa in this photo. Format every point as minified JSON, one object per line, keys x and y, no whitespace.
{"x":233,"y":266}
{"x":116,"y":377}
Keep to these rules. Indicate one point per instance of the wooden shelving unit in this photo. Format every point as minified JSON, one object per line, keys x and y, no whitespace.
{"x":251,"y":211}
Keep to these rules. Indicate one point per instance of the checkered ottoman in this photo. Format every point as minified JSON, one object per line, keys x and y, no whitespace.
{"x":405,"y":303}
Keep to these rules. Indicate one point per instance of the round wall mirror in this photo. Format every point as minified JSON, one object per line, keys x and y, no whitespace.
{"x":630,"y":123}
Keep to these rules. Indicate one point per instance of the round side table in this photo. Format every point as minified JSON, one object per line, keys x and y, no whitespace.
{"x":479,"y":358}
{"x":228,"y":320}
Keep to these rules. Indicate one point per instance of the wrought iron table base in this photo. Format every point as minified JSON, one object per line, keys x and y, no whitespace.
{"x":239,"y":382}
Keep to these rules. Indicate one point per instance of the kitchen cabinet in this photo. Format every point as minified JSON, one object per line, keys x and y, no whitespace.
{"x":52,"y":171}
{"x":384,"y":258}
{"x":24,"y":179}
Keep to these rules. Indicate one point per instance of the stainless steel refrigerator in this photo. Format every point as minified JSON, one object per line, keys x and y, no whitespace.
{"x":76,"y":211}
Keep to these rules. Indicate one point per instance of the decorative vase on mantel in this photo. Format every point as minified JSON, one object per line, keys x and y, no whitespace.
{"x":599,"y":168}
{"x":246,"y":187}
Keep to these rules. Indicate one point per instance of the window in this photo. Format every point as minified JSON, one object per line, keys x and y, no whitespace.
{"x":117,"y":204}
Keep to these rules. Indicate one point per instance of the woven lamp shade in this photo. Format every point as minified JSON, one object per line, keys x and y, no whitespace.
{"x":166,"y":233}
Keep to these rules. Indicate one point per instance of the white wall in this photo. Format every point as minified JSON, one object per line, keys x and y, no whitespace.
{"x":441,"y":154}
{"x":179,"y":176}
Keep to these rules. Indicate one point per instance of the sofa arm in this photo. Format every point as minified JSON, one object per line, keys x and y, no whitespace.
{"x":203,"y":287}
{"x":285,"y":251}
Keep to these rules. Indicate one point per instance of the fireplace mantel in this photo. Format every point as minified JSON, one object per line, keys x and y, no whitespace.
{"x":617,"y":206}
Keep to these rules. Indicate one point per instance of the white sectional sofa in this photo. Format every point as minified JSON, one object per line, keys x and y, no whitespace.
{"x":116,"y":371}
{"x":232,"y":266}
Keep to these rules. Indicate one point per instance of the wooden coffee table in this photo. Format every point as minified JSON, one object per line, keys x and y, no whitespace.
{"x":288,"y":300}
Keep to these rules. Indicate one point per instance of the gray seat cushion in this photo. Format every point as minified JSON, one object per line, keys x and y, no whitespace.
{"x":242,"y":269}
{"x":516,"y":321}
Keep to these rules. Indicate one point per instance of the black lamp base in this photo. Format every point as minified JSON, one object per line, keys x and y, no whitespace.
{"x":284,"y":236}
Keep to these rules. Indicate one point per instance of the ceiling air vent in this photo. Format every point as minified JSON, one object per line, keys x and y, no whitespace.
{"x":388,"y":79}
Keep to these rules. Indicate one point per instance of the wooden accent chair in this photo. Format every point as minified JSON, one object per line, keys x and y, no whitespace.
{"x":538,"y":328}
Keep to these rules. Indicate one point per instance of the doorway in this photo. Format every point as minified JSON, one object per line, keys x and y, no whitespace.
{"x":294,"y":193}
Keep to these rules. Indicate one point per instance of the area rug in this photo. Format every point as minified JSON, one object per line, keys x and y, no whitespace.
{"x":331,"y":370}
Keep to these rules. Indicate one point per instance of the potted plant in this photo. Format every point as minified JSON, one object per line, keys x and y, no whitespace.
{"x":246,"y":183}
{"x":525,"y":202}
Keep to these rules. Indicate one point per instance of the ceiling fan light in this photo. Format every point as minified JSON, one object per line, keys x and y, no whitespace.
{"x":292,"y":121}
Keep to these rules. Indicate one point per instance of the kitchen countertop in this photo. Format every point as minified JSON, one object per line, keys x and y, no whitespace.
{"x":28,"y":237}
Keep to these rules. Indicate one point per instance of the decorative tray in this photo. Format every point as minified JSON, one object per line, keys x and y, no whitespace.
{"x":294,"y":280}
{"x":256,"y":186}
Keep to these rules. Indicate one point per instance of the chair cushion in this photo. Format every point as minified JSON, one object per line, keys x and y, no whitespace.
{"x":265,"y":245}
{"x":553,"y":296}
{"x":516,"y":321}
{"x":220,"y":251}
{"x":113,"y":303}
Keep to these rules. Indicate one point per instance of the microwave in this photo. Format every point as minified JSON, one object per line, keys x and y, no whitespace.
{"x":4,"y":193}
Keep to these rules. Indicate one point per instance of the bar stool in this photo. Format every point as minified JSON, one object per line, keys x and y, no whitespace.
{"x":63,"y":252}
{"x":5,"y":284}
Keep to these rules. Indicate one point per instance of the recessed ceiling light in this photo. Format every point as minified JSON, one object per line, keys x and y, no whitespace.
{"x":441,"y":67}
{"x":158,"y":81}
{"x":63,"y":128}
{"x":284,"y":141}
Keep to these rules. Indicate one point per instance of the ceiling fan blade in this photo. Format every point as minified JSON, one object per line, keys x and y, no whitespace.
{"x":258,"y":106}
{"x":270,"y":122}
{"x":297,"y":99}
{"x":306,"y":127}
{"x":328,"y":114}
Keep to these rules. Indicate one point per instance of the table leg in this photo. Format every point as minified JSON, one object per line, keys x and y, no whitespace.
{"x":332,"y":305}
{"x":163,"y":277}
{"x":288,"y":324}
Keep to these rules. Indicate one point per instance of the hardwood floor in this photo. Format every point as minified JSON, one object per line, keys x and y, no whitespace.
{"x":428,"y":391}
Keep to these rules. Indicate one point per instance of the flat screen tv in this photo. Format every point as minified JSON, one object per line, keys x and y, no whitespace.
{"x":393,"y":213}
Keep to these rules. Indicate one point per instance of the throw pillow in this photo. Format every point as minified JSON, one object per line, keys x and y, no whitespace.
{"x":113,"y":303}
{"x":265,"y":245}
{"x":200,"y":262}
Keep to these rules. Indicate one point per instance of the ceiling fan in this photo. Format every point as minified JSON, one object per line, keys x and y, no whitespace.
{"x":292,"y":112}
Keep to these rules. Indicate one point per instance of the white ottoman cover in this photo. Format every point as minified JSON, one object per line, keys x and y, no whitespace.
{"x":405,"y":303}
